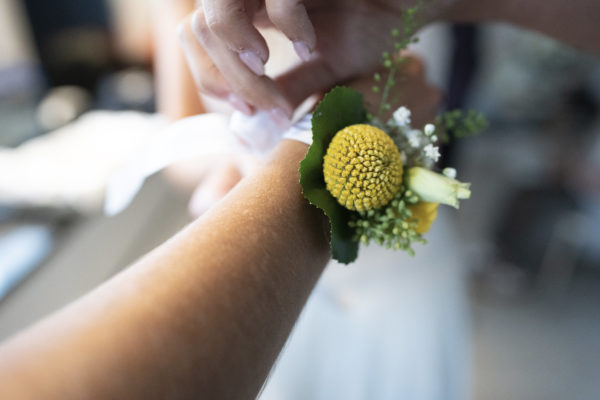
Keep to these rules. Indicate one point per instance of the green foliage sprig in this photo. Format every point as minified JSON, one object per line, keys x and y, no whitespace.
{"x":459,"y":124}
{"x":411,"y":22}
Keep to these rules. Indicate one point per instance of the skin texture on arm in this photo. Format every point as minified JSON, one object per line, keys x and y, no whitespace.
{"x":203,"y":315}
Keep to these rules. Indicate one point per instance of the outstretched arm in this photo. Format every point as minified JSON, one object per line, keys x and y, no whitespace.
{"x":204,"y":315}
{"x":342,"y":39}
{"x":573,"y":22}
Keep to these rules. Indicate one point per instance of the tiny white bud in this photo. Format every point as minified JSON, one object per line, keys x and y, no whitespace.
{"x":434,"y":138}
{"x":449,"y":172}
{"x":413,"y":138}
{"x":429,"y":129}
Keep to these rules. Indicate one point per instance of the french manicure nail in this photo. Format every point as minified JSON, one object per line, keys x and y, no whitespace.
{"x":239,"y":104}
{"x":279,"y":117}
{"x":253,"y":61}
{"x":302,"y":50}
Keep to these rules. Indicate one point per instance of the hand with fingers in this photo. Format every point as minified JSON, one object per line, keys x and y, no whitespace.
{"x":415,"y":93}
{"x":336,"y":41}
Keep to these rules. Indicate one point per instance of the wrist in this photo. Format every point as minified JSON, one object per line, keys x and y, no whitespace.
{"x":284,"y":167}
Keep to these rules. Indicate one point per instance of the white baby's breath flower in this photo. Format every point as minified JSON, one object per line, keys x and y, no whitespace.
{"x":429,"y":129}
{"x":449,"y":172}
{"x":413,"y":138}
{"x":434,"y":138}
{"x":432,"y":152}
{"x":402,"y":116}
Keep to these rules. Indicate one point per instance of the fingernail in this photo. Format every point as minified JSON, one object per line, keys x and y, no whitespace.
{"x":279,"y":117}
{"x":302,"y":50}
{"x":239,"y":104}
{"x":253,"y":61}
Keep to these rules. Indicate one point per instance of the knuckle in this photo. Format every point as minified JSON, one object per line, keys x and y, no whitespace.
{"x":236,"y":12}
{"x":257,"y":92}
{"x":248,"y":94}
{"x":279,"y":10}
{"x":207,"y":84}
{"x":278,"y":14}
{"x":208,"y":89}
{"x":222,"y":22}
{"x":244,"y":92}
{"x":291,"y":18}
{"x":199,"y":26}
{"x":215,"y":23}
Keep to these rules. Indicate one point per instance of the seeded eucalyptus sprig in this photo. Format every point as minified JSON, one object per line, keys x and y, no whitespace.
{"x":391,"y":226}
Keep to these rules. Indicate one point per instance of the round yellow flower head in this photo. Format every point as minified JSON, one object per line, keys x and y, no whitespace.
{"x":362,"y":167}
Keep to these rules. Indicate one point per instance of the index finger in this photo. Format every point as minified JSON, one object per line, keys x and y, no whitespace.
{"x":231,"y":22}
{"x":291,"y":18}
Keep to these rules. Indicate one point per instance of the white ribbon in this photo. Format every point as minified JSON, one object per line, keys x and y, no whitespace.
{"x":209,"y":134}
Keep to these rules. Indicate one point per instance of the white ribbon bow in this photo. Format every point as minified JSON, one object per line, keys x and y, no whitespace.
{"x":201,"y":135}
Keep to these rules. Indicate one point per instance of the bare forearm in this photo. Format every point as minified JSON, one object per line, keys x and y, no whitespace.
{"x":573,"y":22}
{"x":204,"y":315}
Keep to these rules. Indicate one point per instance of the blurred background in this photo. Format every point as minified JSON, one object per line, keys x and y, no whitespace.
{"x":84,"y":84}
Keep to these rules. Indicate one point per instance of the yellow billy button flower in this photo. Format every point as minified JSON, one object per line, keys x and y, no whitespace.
{"x":362,"y":168}
{"x":425,"y":213}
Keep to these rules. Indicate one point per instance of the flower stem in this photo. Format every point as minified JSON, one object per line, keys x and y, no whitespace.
{"x":389,"y":84}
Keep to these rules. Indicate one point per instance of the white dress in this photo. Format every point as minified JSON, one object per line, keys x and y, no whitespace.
{"x":389,"y":326}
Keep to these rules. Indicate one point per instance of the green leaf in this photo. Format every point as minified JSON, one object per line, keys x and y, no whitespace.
{"x":339,"y":108}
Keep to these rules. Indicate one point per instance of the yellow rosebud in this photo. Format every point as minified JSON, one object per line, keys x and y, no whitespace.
{"x":436,"y":188}
{"x":424,"y":213}
{"x":362,"y":167}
